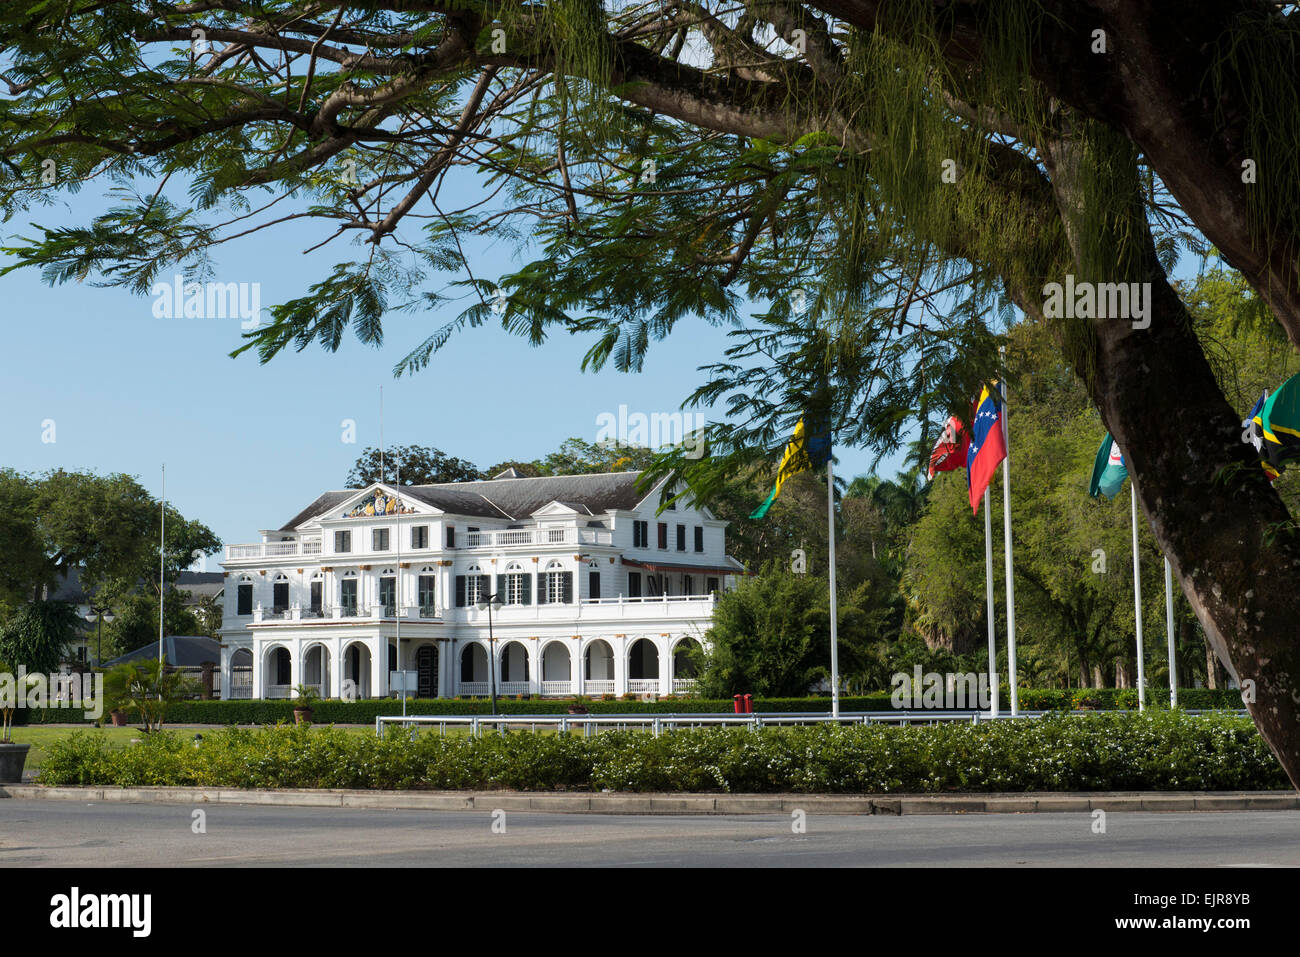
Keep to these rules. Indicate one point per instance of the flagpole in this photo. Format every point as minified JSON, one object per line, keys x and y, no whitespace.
{"x":1137,"y":597}
{"x":835,"y":653}
{"x":988,"y":584}
{"x":162,"y":564}
{"x":1006,"y":535}
{"x":1169,"y":629}
{"x":398,"y":609}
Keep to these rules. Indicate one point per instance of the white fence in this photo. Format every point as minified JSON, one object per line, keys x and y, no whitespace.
{"x":656,"y":724}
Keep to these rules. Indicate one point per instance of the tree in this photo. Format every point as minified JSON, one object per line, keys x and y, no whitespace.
{"x":418,"y":465}
{"x":881,"y":157}
{"x":136,"y":622}
{"x":148,"y":686}
{"x":38,"y":634}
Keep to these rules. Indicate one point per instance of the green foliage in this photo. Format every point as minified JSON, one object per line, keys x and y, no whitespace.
{"x":146,"y":688}
{"x":136,"y":621}
{"x":418,"y":466}
{"x":1118,"y":751}
{"x":38,"y":634}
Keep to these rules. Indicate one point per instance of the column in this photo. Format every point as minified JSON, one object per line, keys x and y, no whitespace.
{"x":575,"y":666}
{"x":259,"y":666}
{"x":666,"y":665}
{"x":336,"y":668}
{"x":620,"y":665}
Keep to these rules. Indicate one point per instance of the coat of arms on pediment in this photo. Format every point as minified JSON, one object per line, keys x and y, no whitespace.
{"x":380,"y":503}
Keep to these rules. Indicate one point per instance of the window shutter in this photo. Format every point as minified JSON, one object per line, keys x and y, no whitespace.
{"x":567,"y":585}
{"x":542,"y":589}
{"x":460,"y":591}
{"x":484,"y":585}
{"x":526,"y":589}
{"x":501,"y":590}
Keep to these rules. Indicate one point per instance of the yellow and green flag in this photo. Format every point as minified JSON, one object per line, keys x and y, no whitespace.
{"x":802,"y":454}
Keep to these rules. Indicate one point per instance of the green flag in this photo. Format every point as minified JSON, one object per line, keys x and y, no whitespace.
{"x":1109,"y":471}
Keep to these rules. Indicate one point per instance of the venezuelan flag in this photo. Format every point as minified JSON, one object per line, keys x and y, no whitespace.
{"x":987,"y":448}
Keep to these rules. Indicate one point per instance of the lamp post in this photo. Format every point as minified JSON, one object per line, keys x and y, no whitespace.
{"x":100,"y":614}
{"x":489,"y":602}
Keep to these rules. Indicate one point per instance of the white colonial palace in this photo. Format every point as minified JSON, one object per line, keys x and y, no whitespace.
{"x":366,"y":590}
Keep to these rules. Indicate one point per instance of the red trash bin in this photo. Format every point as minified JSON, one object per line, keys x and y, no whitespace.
{"x":737,"y":703}
{"x":749,"y":704}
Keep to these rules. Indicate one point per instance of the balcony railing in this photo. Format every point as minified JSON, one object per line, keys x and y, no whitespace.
{"x":538,"y":536}
{"x":307,"y":546}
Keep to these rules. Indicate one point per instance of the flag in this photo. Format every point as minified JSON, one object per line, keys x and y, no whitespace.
{"x":1108,"y":471}
{"x":987,"y":446}
{"x":804,"y":452}
{"x":1279,"y":420}
{"x":1253,"y":434}
{"x":950,"y":451}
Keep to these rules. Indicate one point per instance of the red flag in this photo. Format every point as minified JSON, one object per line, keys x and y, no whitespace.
{"x":950,"y":451}
{"x":987,"y":446}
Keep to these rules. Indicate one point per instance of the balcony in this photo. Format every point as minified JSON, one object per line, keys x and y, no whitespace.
{"x":512,"y":537}
{"x":349,"y":612}
{"x":600,"y":610}
{"x":308,"y":546}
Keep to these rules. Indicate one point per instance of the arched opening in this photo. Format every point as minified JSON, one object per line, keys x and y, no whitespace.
{"x":556,"y":669}
{"x":316,"y":669}
{"x":241,"y":675}
{"x":473,"y":669}
{"x":514,"y":668}
{"x":642,"y":661}
{"x":685,"y":667}
{"x":277,"y":675}
{"x":356,"y":671}
{"x":598,"y":668}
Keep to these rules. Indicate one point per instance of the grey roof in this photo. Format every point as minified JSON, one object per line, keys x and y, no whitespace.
{"x":512,"y":498}
{"x":181,"y":651}
{"x":201,"y":583}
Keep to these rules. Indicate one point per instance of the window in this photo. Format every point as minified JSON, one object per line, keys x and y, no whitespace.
{"x":472,"y":588}
{"x":419,"y":536}
{"x":699,"y":538}
{"x":634,"y":584}
{"x":711,"y":586}
{"x":426,"y":591}
{"x":388,"y":595}
{"x":348,"y":595}
{"x":663,"y":534}
{"x":681,"y":538}
{"x":343,"y":541}
{"x":514,"y":587}
{"x":280,"y":594}
{"x":653,"y":586}
{"x":556,"y":587}
{"x":244,"y":599}
{"x":640,"y":534}
{"x":451,"y":536}
{"x":379,"y":539}
{"x":316,"y":595}
{"x":593,"y":585}
{"x":688,"y":586}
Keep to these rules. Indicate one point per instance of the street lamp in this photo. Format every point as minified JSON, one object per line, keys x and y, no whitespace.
{"x":489,"y":602}
{"x":100,"y":614}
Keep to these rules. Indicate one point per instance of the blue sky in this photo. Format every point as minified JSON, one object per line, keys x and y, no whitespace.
{"x":247,"y":446}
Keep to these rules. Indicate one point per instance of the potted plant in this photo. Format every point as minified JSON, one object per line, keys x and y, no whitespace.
{"x":306,"y":697}
{"x":148,"y":687}
{"x":577,"y":707}
{"x":12,"y":756}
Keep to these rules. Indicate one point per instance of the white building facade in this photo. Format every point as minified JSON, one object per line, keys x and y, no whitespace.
{"x":366,"y":590}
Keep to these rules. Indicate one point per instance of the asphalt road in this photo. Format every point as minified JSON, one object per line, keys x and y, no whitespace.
{"x":74,"y":834}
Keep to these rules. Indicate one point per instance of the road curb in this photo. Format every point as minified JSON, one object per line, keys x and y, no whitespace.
{"x":609,"y":803}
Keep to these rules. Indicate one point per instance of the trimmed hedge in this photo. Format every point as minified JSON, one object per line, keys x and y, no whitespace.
{"x":269,"y":711}
{"x":1115,"y":751}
